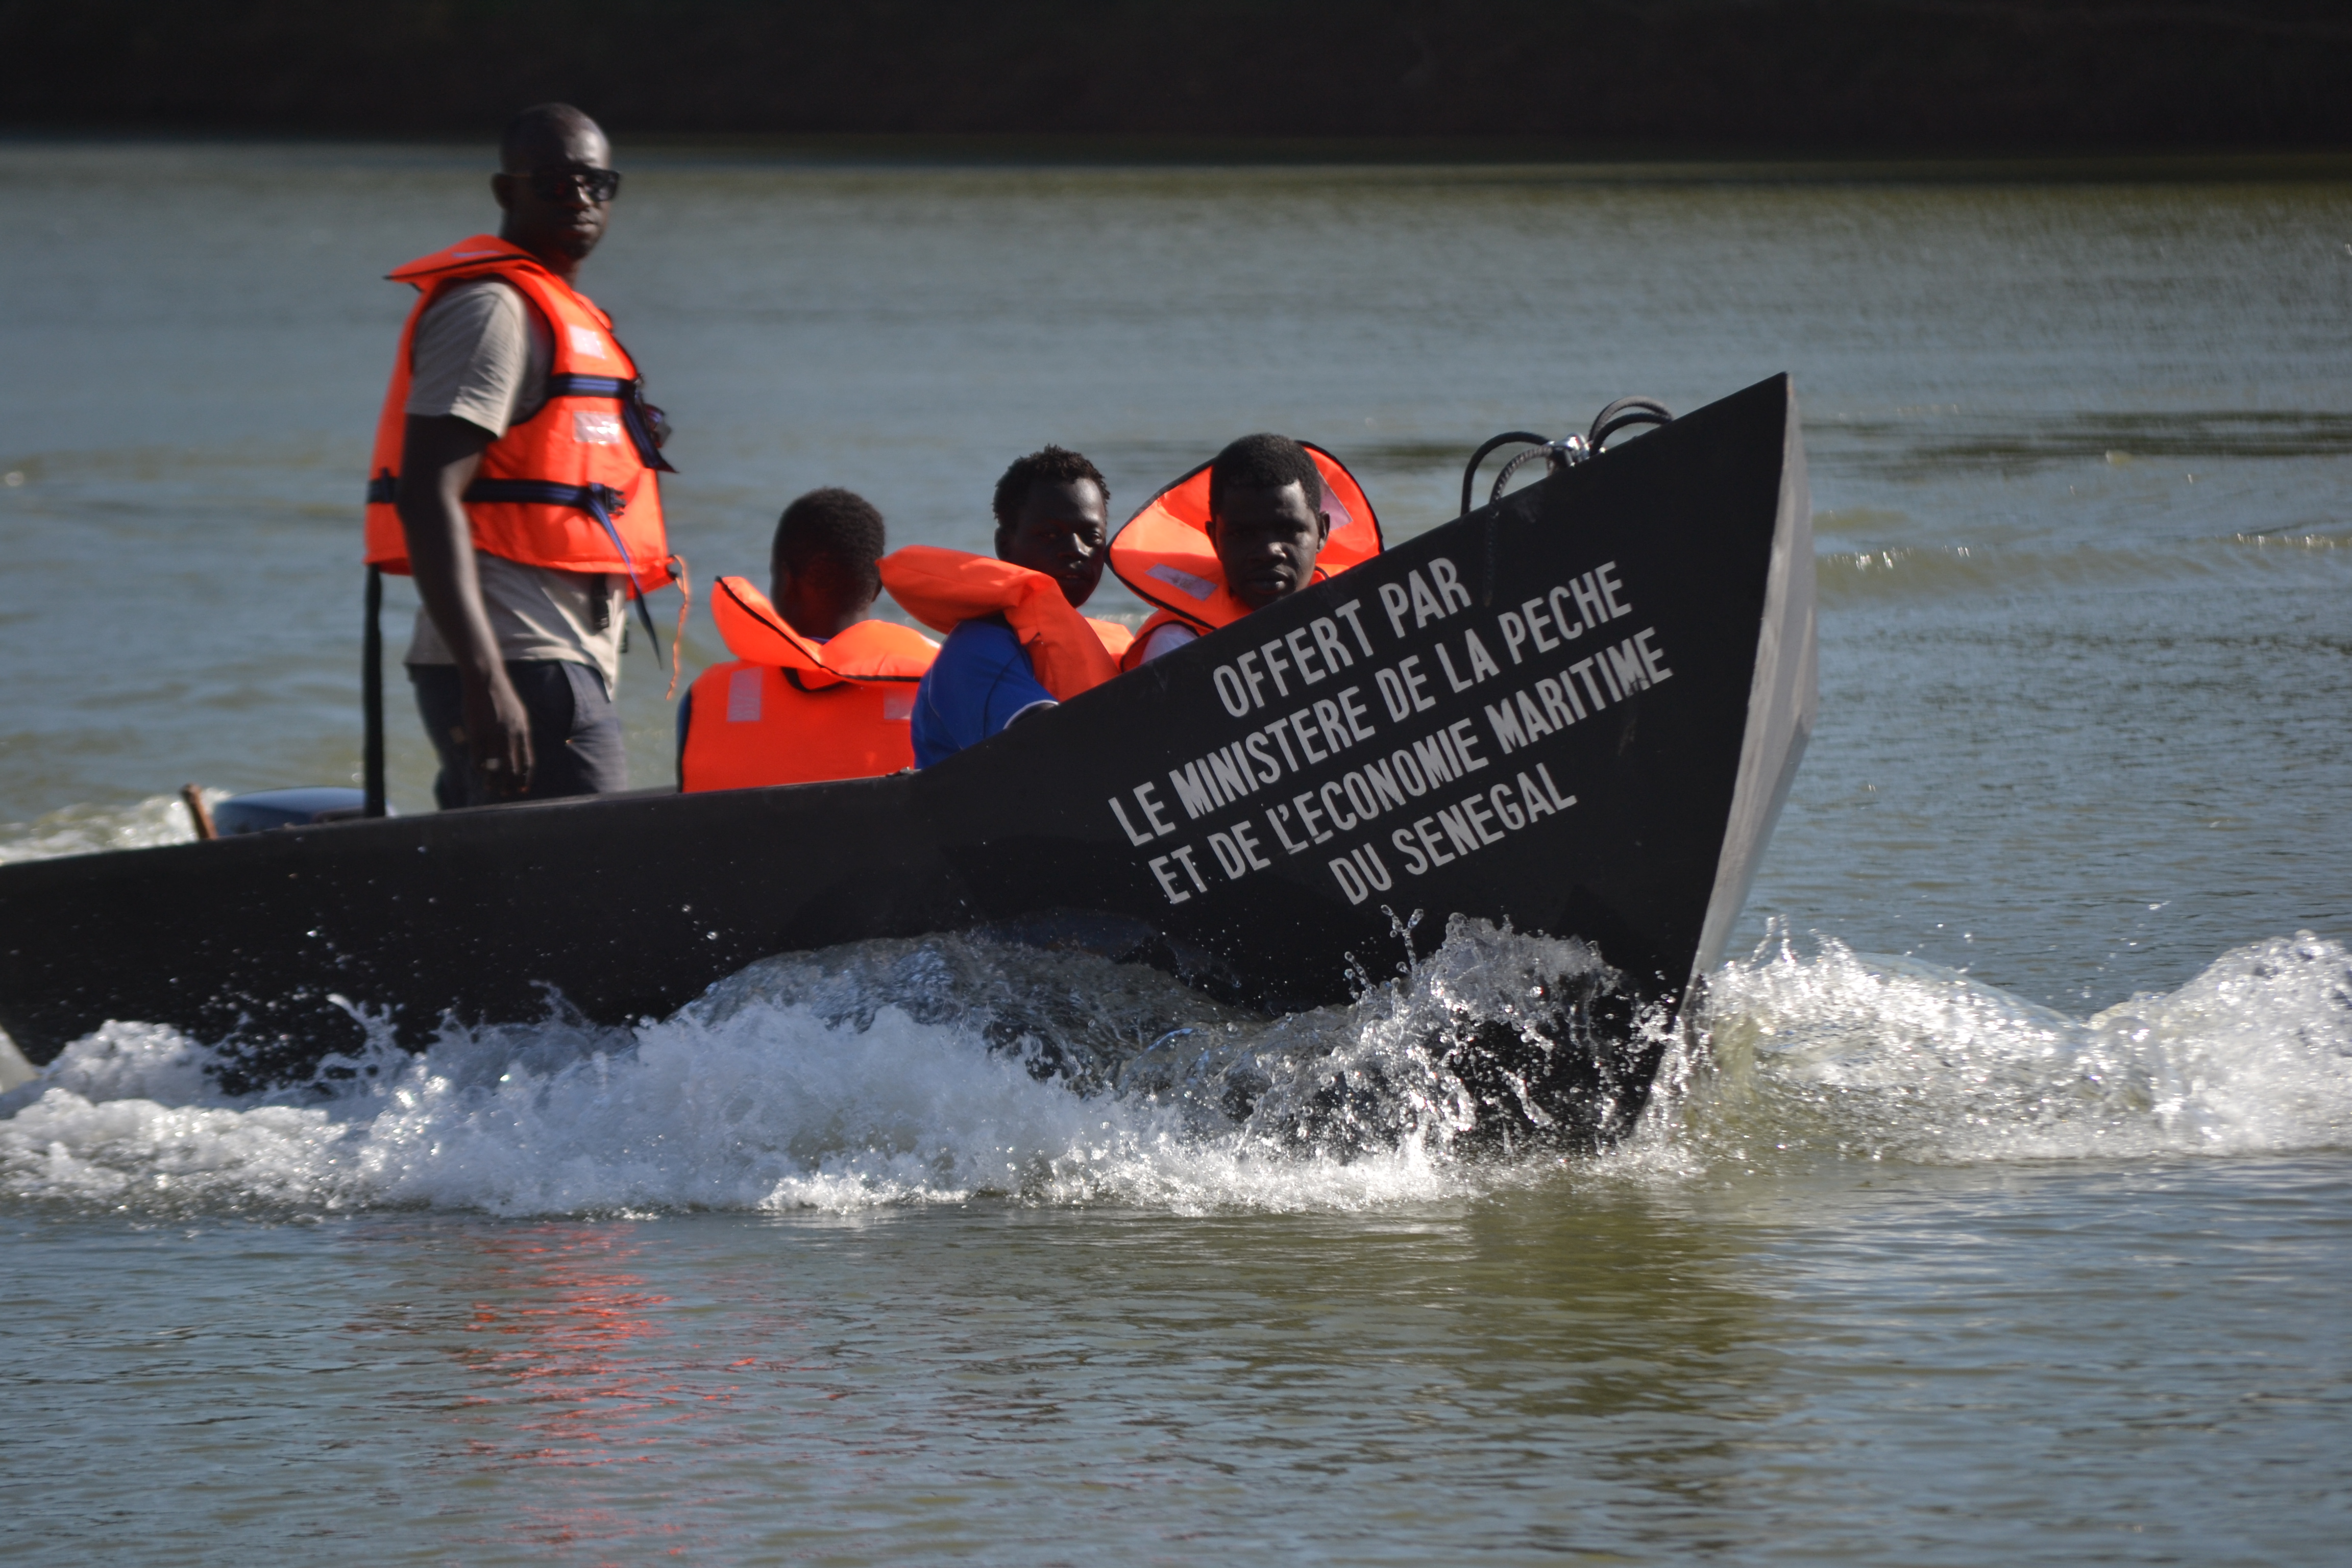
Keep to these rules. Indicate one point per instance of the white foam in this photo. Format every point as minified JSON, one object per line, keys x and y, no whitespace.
{"x":947,"y":1070}
{"x":90,"y":829}
{"x":770,"y":1107}
{"x":13,"y":1068}
{"x":1880,"y":1058}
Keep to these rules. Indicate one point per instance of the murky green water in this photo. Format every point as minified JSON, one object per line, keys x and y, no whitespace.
{"x":2028,"y":1247}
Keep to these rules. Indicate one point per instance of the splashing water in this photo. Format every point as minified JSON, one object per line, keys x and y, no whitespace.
{"x":88,"y":829}
{"x":929,"y":1071}
{"x":950,"y":1068}
{"x":1880,"y":1058}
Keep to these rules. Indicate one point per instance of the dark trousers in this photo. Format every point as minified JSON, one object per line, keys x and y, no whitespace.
{"x":575,"y":731}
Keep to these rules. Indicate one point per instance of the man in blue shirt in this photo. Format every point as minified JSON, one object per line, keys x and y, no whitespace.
{"x":1051,"y":517}
{"x":980,"y":683}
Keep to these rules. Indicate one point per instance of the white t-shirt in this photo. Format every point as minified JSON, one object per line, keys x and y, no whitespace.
{"x":482,"y":354}
{"x":1167,"y":639}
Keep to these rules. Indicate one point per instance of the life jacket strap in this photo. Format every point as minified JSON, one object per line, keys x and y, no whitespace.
{"x":600,"y":501}
{"x":629,"y":391}
{"x":384,"y":488}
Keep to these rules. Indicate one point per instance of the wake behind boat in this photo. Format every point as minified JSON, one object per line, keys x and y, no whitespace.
{"x":1577,"y":710}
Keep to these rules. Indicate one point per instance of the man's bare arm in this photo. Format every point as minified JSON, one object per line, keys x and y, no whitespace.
{"x":439,"y":457}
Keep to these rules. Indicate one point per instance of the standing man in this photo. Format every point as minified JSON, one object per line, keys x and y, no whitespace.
{"x":514,"y":476}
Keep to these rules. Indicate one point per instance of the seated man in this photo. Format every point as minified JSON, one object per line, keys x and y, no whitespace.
{"x":816,"y":691}
{"x":1015,"y":639}
{"x":1264,"y":519}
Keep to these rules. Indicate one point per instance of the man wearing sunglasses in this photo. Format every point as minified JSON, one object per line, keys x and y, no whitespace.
{"x":514,"y":476}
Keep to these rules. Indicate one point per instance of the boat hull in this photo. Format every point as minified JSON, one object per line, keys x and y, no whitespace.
{"x":1230,"y":811}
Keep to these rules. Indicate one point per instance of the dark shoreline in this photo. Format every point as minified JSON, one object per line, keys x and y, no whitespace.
{"x":1734,"y":79}
{"x":1367,"y":159}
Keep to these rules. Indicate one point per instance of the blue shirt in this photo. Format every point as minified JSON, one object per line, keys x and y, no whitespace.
{"x":977,"y":686}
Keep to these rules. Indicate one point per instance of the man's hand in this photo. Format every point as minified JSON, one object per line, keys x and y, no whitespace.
{"x":498,"y":733}
{"x":439,"y":457}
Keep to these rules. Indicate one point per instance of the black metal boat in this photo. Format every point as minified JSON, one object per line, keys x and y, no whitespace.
{"x":1577,"y":710}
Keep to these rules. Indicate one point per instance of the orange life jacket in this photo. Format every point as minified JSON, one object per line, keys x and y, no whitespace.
{"x":790,"y":710}
{"x":1117,"y":635}
{"x":572,"y":487}
{"x":1165,"y":556}
{"x":944,"y":588}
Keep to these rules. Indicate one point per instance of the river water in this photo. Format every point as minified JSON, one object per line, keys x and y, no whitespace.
{"x":2007,"y":1215}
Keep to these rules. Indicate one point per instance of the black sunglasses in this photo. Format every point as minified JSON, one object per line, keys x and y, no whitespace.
{"x":555,"y":184}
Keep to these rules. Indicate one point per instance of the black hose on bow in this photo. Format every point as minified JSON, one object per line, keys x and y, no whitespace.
{"x":1559,"y":456}
{"x":1518,"y":460}
{"x":1624,"y":413}
{"x":1470,"y":474}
